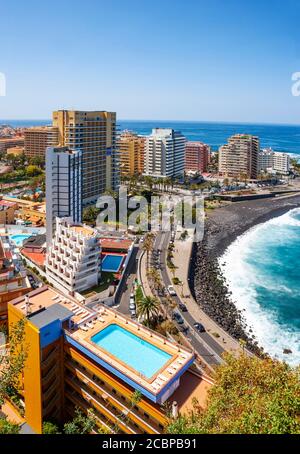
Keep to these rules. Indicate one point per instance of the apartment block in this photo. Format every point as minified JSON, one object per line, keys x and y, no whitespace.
{"x":63,"y":186}
{"x":38,"y":139}
{"x":9,"y":142}
{"x":273,"y":162}
{"x":94,"y":134}
{"x":164,"y":153}
{"x":7,"y":212}
{"x":239,"y":158}
{"x":196,"y":157}
{"x":131,"y":150}
{"x":73,"y":260}
{"x":13,"y":280}
{"x":92,"y":358}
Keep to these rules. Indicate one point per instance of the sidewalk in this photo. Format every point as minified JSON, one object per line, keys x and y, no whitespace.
{"x":182,"y":256}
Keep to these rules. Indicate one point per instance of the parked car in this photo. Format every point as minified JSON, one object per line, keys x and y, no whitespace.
{"x":171,"y":290}
{"x":176,"y":316}
{"x":132,"y":305}
{"x":199,"y":327}
{"x":182,"y":307}
{"x":133,"y":314}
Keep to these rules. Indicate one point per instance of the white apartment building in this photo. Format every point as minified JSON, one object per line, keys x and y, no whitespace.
{"x":239,"y":158}
{"x":63,"y":186}
{"x":164,"y":153}
{"x":273,"y":162}
{"x":73,"y":262}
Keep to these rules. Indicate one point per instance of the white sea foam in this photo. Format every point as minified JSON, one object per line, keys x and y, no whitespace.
{"x":243,"y":279}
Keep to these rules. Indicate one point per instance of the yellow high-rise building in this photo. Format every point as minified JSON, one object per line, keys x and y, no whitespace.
{"x":94,"y":133}
{"x":131,"y":148}
{"x":131,"y":382}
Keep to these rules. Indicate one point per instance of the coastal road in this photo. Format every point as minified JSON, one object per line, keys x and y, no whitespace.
{"x":126,"y":286}
{"x":204,"y":344}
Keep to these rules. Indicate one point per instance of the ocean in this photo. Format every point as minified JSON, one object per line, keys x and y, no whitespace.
{"x":262,"y":269}
{"x":284,"y":138}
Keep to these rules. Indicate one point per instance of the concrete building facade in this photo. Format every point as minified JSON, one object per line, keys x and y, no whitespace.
{"x":63,"y":186}
{"x":196,"y":157}
{"x":239,"y":158}
{"x":74,"y":258}
{"x":131,"y":150}
{"x":38,"y":139}
{"x":94,"y":133}
{"x":164,"y":153}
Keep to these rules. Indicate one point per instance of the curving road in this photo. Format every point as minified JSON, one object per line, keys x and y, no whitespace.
{"x":204,"y":344}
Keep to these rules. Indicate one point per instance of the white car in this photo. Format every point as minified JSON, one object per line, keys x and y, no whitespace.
{"x":132,"y":306}
{"x":171,"y":290}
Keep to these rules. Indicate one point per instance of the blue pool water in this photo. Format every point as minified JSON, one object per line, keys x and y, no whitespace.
{"x":112,"y":263}
{"x":18,"y":239}
{"x":142,"y":356}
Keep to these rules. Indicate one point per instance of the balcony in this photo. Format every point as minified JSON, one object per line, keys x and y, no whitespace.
{"x":115,"y":400}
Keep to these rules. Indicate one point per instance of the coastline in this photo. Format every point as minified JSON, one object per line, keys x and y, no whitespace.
{"x":222,"y":227}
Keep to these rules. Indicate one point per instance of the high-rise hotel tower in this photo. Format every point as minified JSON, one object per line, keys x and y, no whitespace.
{"x":63,"y":186}
{"x":164,"y":153}
{"x":94,"y":133}
{"x":239,"y":158}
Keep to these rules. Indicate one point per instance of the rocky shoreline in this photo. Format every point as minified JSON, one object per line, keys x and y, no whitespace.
{"x":208,"y":284}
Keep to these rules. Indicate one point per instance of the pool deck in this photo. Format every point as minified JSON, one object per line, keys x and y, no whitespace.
{"x":180,"y":356}
{"x":86,"y":322}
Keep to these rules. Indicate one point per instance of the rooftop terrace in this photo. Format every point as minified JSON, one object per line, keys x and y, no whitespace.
{"x":84,"y":323}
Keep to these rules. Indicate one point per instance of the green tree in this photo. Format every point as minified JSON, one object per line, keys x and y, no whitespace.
{"x":148,"y":307}
{"x":12,"y":360}
{"x":81,"y":424}
{"x":250,"y":396}
{"x":7,"y":427}
{"x":33,"y":171}
{"x":50,"y":428}
{"x":90,"y":215}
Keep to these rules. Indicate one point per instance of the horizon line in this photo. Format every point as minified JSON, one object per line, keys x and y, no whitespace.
{"x":172,"y":121}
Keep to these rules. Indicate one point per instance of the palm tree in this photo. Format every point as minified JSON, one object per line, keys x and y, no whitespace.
{"x":148,"y":307}
{"x":148,"y":246}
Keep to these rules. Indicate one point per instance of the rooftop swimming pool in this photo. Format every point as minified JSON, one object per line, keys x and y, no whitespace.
{"x":112,"y":263}
{"x":137,"y":353}
{"x":19,"y":238}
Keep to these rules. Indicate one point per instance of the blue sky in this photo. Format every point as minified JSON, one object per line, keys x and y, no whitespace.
{"x":204,"y":60}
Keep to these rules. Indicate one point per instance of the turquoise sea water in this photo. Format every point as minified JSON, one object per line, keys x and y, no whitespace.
{"x":279,"y":137}
{"x":262,"y":268}
{"x":142,"y":356}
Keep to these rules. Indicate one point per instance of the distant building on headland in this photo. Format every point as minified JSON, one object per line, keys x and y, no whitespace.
{"x":196,"y":157}
{"x":164,"y":153}
{"x":239,"y":158}
{"x":270,"y":161}
{"x":131,"y":149}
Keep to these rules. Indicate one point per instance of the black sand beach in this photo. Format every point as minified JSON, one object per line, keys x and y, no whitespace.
{"x":223,"y":226}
